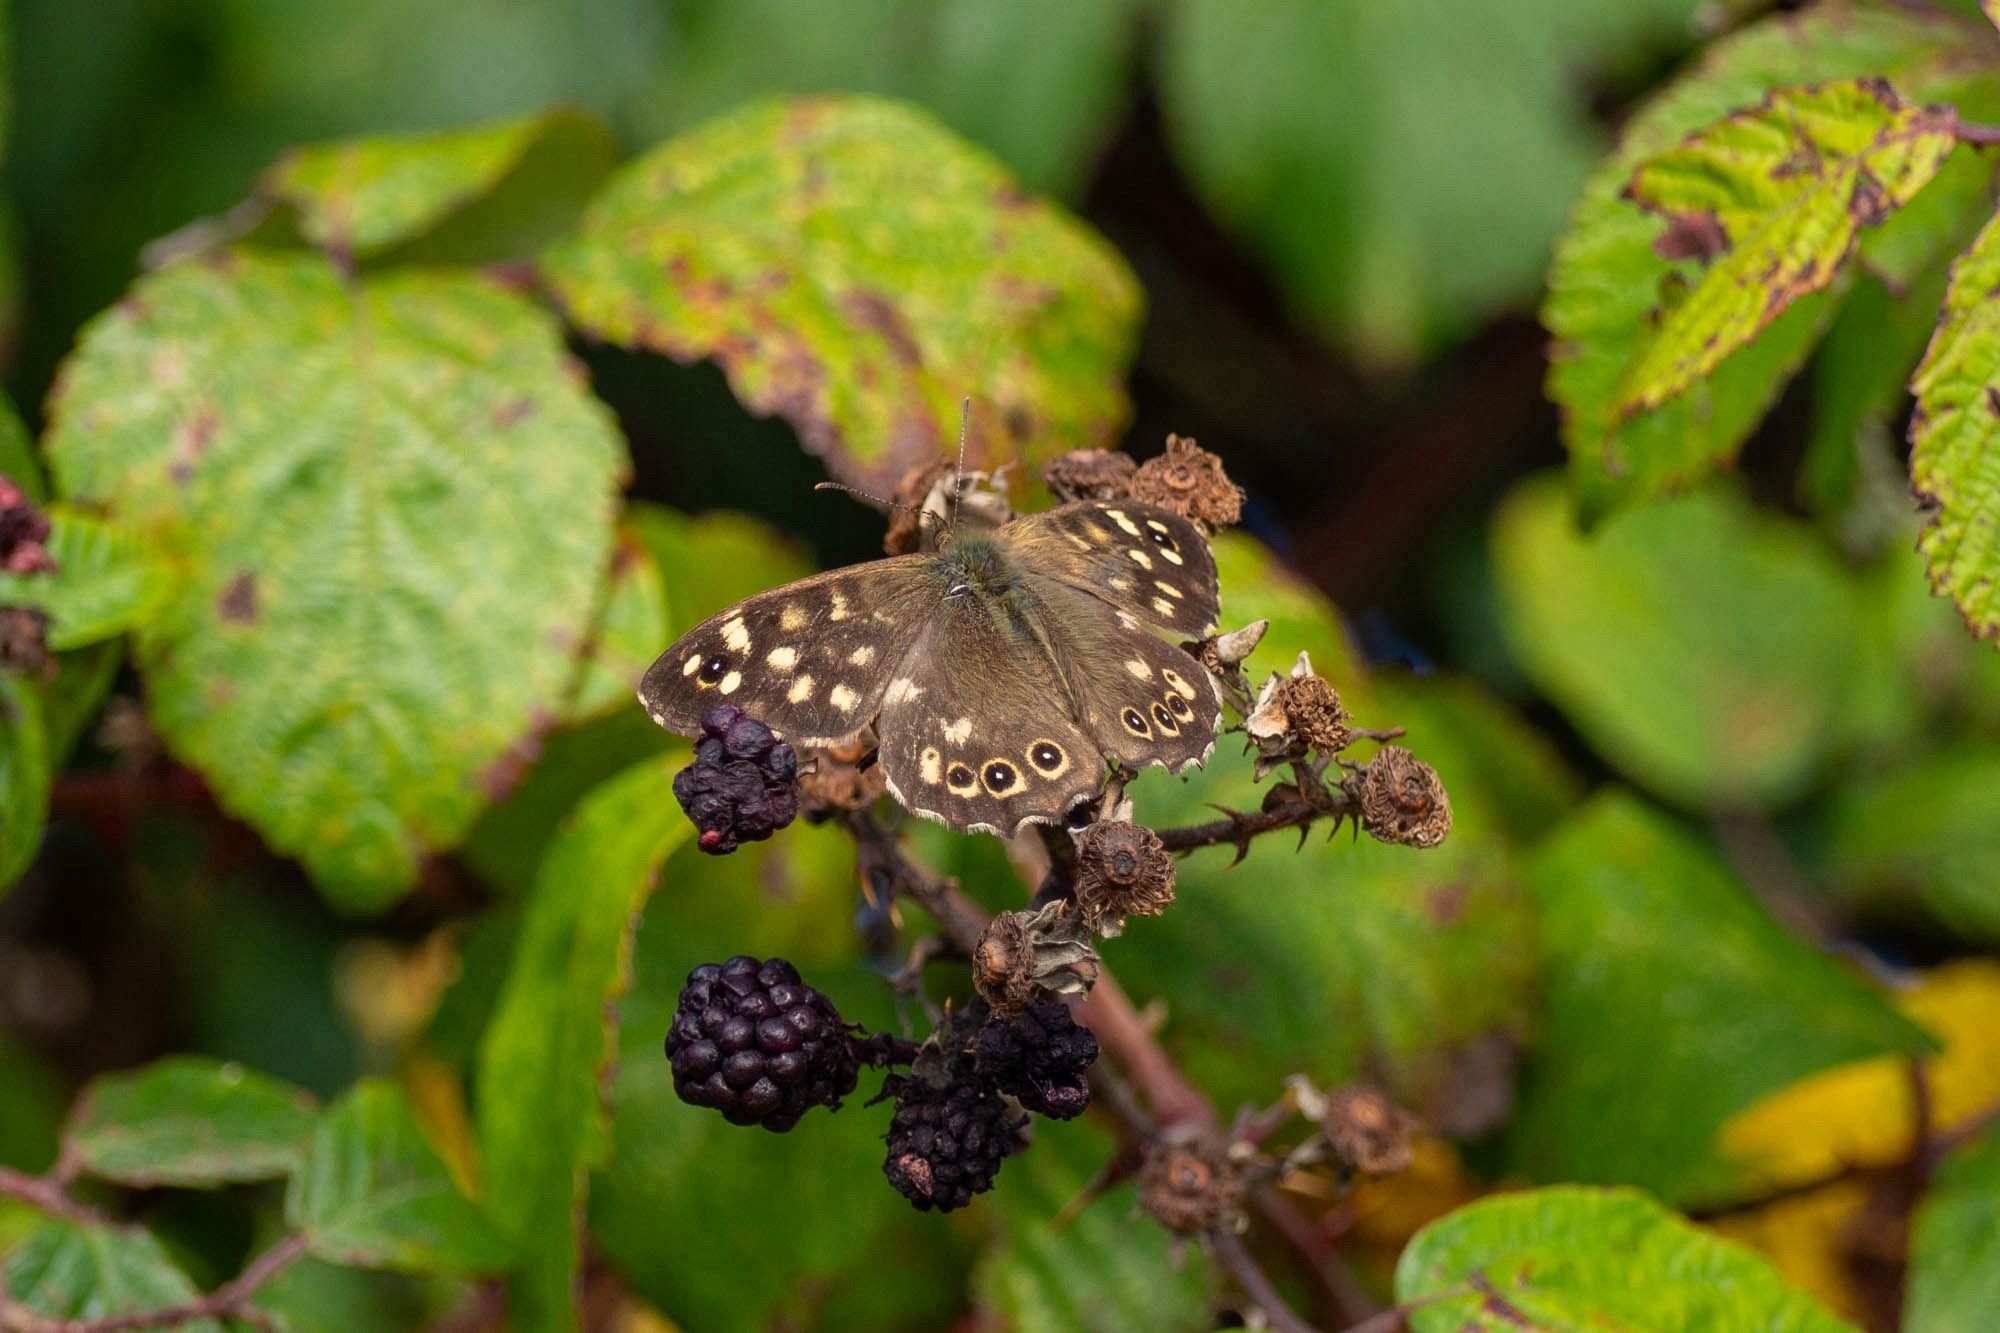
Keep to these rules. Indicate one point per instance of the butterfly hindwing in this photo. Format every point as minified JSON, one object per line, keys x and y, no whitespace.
{"x":811,"y":660}
{"x":1146,"y":561}
{"x":974,"y":729}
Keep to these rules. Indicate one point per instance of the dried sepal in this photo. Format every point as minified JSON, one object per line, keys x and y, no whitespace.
{"x":1295,"y":713}
{"x":1122,"y":869}
{"x":930,"y":498}
{"x":1367,"y":1130}
{"x":1401,"y":799}
{"x":1022,"y":955}
{"x":1091,"y":474}
{"x":1190,"y":481}
{"x":834,"y":779}
{"x":1193,"y":1184}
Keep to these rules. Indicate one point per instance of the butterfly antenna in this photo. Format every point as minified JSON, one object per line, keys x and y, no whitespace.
{"x":869,"y":495}
{"x":958,"y":481}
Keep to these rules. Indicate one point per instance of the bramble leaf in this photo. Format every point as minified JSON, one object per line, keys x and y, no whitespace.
{"x":1954,"y":1279}
{"x":1924,"y":834}
{"x":17,"y":454}
{"x":26,"y":761}
{"x":1644,"y":931}
{"x":189,"y":1121}
{"x":858,"y":270}
{"x":553,"y":1033}
{"x":1955,"y":439}
{"x":1610,"y":1260}
{"x":386,"y":504}
{"x":105,"y":581}
{"x":482,"y":193}
{"x":1771,"y":200}
{"x":65,"y":1270}
{"x":373,"y":1193}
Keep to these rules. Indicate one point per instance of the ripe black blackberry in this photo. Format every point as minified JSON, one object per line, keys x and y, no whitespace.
{"x":1040,"y":1056}
{"x":947,"y":1140}
{"x":753,"y":1041}
{"x":742,"y":786}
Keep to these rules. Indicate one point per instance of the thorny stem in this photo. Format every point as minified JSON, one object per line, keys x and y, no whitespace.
{"x":47,"y":1195}
{"x":1229,"y":1248}
{"x":1238,"y":828}
{"x":229,"y":1301}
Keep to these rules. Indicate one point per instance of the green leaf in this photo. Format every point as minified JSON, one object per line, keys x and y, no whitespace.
{"x":1357,"y":145}
{"x":31,"y":1112}
{"x":858,"y":270}
{"x":68,"y":1271}
{"x":17,"y":454}
{"x":631,"y":630}
{"x":543,"y":1062}
{"x":1955,"y":441}
{"x":465,"y":195}
{"x":341,"y":474}
{"x":1607,"y":280}
{"x":708,"y":561}
{"x":189,"y":1121}
{"x":1104,"y":1272}
{"x":1954,"y":1276}
{"x":1645,"y":933}
{"x":105,"y":582}
{"x":1772,"y":201}
{"x":1612,"y":1261}
{"x":1926,"y":833}
{"x":373,"y":1193}
{"x":72,"y":701}
{"x":1703,"y":647}
{"x":26,"y":764}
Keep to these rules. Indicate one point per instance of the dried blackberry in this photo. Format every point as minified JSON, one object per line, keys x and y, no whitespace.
{"x":753,"y":1041}
{"x":743,"y":784}
{"x":1040,"y":1057}
{"x":947,"y":1140}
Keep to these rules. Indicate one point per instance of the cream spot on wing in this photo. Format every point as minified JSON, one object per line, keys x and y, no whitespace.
{"x":1118,"y":516}
{"x":1177,"y":682}
{"x":1169,"y":589}
{"x":958,"y":732}
{"x":931,"y":767}
{"x":1097,"y":535}
{"x":1076,"y":541}
{"x":730,"y":682}
{"x":1128,"y":620}
{"x":783,"y":658}
{"x":1163,"y":606}
{"x":843,"y":698}
{"x":1139,"y":557}
{"x":1119,"y":583}
{"x":862,"y":656}
{"x":840,"y":611}
{"x":1139,"y":669}
{"x":792,"y":617}
{"x":692,"y":665}
{"x":802,"y":690}
{"x":901,"y":690}
{"x":1172,"y":557}
{"x":737,"y":636}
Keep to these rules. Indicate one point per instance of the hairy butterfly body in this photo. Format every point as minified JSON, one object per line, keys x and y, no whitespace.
{"x":1001,"y":672}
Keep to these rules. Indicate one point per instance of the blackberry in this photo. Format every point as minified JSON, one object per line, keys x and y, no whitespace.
{"x":742,"y":786}
{"x":753,"y":1041}
{"x":1040,"y":1057}
{"x":946,"y":1140}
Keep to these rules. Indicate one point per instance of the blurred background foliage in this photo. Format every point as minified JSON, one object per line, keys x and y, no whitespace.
{"x":1726,"y":776}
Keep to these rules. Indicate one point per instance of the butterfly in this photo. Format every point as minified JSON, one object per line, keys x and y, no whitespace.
{"x":1001,"y":672}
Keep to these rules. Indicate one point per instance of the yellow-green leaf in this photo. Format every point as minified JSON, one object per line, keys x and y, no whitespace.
{"x":1772,"y":200}
{"x":859,"y":270}
{"x":105,"y":581}
{"x":1955,"y":439}
{"x":25,"y":764}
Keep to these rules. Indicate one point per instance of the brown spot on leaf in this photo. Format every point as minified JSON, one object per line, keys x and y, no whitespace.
{"x":1993,"y":400}
{"x":1803,"y":160}
{"x":500,"y":777}
{"x":1692,"y":236}
{"x":238,"y":603}
{"x":1011,"y":197}
{"x":191,"y":441}
{"x":513,"y":411}
{"x":1869,"y":203}
{"x":874,"y":311}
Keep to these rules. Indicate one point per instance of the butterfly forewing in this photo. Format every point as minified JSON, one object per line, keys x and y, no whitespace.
{"x":811,"y":660}
{"x":1148,"y":563}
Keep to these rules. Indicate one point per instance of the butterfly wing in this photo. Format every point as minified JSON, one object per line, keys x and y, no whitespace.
{"x":1149,"y":563}
{"x":811,"y":660}
{"x":974,"y":731}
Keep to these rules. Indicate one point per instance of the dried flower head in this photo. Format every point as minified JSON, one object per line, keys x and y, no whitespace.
{"x":1193,"y":1185}
{"x":1402,"y":799}
{"x":1091,"y":474}
{"x":1021,"y":955}
{"x":907,"y":526}
{"x":930,"y":498}
{"x":24,"y":641}
{"x":1367,"y":1130}
{"x":1121,"y":870}
{"x":1190,"y":481}
{"x":837,"y":778}
{"x":1295,"y":713}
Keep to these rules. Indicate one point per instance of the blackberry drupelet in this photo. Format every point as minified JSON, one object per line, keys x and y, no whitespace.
{"x":742,"y":786}
{"x":753,"y":1041}
{"x":1040,"y":1056}
{"x":946,"y":1141}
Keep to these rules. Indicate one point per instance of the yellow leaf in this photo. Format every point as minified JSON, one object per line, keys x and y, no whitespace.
{"x":1805,"y":1237}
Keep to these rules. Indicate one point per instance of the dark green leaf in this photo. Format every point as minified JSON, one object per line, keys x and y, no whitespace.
{"x":1612,"y":1261}
{"x":31,"y":1112}
{"x":542,"y":1065}
{"x":68,"y":1271}
{"x":105,"y":582}
{"x":1644,"y":934}
{"x":71,"y":702}
{"x":858,"y":270}
{"x":25,"y":764}
{"x":191,"y":1121}
{"x":374,"y":1193}
{"x":342,"y":475}
{"x":1954,"y":1280}
{"x":17,"y":454}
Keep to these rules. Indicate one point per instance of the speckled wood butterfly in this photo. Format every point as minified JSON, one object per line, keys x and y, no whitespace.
{"x":1005,"y":668}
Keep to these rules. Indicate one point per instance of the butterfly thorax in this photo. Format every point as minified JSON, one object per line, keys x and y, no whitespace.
{"x":976,"y":565}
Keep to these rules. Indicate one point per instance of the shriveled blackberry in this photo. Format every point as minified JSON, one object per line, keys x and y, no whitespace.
{"x":753,"y":1041}
{"x":1040,"y":1056}
{"x":947,"y":1140}
{"x":743,"y":784}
